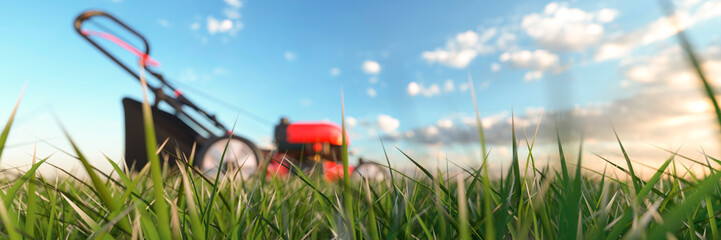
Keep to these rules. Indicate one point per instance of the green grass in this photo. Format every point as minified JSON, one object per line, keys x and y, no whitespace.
{"x":461,"y":205}
{"x":526,"y":203}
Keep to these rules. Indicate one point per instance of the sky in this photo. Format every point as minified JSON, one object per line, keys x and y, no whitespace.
{"x":403,"y":68}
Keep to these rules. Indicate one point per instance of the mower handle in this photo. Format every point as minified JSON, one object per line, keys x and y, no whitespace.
{"x":87,"y":15}
{"x":176,"y":102}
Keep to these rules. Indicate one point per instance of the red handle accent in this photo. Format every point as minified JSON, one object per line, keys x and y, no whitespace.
{"x":145,"y":58}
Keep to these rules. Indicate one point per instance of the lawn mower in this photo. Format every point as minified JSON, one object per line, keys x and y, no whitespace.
{"x":182,"y":125}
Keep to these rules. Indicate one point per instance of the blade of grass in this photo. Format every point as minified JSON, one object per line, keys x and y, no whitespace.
{"x":102,"y":191}
{"x":8,"y":125}
{"x":347,"y":191}
{"x":636,"y":181}
{"x":31,"y":205}
{"x":195,"y":224}
{"x":490,"y":233}
{"x":159,"y":206}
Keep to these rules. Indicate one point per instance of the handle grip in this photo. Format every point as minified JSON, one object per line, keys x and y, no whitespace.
{"x":87,"y":15}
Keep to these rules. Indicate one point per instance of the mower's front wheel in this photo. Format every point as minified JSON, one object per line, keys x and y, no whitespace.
{"x":241,"y":157}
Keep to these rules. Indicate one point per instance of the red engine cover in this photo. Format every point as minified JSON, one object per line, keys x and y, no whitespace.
{"x":315,"y":132}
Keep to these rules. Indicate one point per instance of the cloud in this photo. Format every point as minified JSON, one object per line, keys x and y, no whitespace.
{"x":234,"y":3}
{"x":462,"y":49}
{"x":560,"y":28}
{"x":448,"y":86}
{"x":351,"y":122}
{"x":532,"y":76}
{"x":485,"y":84}
{"x":222,"y":26}
{"x":538,"y":60}
{"x":652,"y":117}
{"x":495,"y":67}
{"x":371,"y":92}
{"x":195,"y":26}
{"x":607,"y":15}
{"x":463,"y":87}
{"x":668,"y":67}
{"x":660,"y":29}
{"x":371,"y":67}
{"x":163,"y":22}
{"x":230,"y":24}
{"x":414,"y":89}
{"x":387,"y":124}
{"x":335,"y":72}
{"x":669,"y":111}
{"x":445,"y":123}
{"x":506,"y":40}
{"x":373,"y":80}
{"x":233,"y":9}
{"x":289,"y":56}
{"x":232,"y":13}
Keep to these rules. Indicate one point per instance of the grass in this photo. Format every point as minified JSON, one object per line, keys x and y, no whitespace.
{"x":527,"y":202}
{"x":440,"y":205}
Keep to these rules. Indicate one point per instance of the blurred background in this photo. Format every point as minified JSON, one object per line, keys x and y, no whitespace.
{"x":403,"y":66}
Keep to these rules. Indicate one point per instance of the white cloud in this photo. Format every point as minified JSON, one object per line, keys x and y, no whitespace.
{"x":484,"y":85}
{"x":232,"y":13}
{"x":371,"y":92}
{"x":430,"y":91}
{"x":350,"y":122}
{"x":532,"y":76}
{"x":231,"y":25}
{"x":445,"y":123}
{"x":335,"y":71}
{"x":495,"y":67}
{"x":289,"y":56}
{"x":222,"y":26}
{"x":414,"y":89}
{"x":658,"y":30}
{"x":669,"y":67}
{"x":371,"y":67}
{"x":233,"y":9}
{"x":373,"y":80}
{"x":448,"y":86}
{"x":560,"y":28}
{"x":234,"y":3}
{"x":306,"y":102}
{"x":539,"y":59}
{"x":163,"y":22}
{"x":387,"y":123}
{"x":195,"y":26}
{"x":607,"y":15}
{"x":506,"y":40}
{"x":461,"y":50}
{"x":463,"y":87}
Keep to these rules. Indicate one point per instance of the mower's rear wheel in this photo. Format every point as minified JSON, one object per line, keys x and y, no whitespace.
{"x":241,"y":157}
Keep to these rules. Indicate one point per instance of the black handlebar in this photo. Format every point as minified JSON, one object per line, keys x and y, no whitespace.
{"x":78,"y":24}
{"x":176,"y":102}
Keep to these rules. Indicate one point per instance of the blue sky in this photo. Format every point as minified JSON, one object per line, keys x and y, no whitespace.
{"x":403,"y":67}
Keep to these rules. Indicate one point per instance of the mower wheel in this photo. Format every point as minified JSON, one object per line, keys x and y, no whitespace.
{"x":370,"y":170}
{"x":241,"y":157}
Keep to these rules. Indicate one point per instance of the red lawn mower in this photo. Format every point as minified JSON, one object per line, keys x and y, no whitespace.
{"x":307,"y":145}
